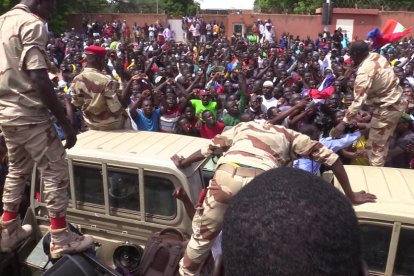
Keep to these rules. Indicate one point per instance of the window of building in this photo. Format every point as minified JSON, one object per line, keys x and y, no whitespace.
{"x":238,"y":29}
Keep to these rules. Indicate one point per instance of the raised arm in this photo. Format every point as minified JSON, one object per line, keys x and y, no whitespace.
{"x":278,"y":119}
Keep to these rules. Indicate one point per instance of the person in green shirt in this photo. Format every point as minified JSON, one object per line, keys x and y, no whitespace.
{"x":234,"y":109}
{"x":252,"y":38}
{"x":204,"y":103}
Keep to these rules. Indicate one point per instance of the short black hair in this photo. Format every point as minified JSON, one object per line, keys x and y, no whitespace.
{"x":289,"y":222}
{"x":359,"y":48}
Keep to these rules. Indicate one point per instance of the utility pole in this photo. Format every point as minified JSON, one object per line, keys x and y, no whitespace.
{"x":327,"y":16}
{"x":157,"y":6}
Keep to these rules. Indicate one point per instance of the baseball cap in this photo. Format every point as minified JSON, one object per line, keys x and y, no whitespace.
{"x":158,"y":79}
{"x":268,"y":84}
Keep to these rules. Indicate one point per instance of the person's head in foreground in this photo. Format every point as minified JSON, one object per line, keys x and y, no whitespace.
{"x":290,"y":222}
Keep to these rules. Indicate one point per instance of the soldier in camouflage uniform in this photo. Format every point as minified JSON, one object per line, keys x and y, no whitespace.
{"x":26,"y":98}
{"x":250,"y":149}
{"x":96,"y":94}
{"x":375,"y":85}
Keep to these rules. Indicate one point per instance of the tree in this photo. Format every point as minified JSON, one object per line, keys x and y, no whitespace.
{"x":6,"y":5}
{"x":64,"y":9}
{"x":309,"y":6}
{"x":306,"y":6}
{"x":180,"y":7}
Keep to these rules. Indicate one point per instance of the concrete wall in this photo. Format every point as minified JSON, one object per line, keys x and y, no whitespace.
{"x":302,"y":25}
{"x":75,"y":21}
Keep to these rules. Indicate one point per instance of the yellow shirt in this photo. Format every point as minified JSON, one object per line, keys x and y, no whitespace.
{"x":359,"y":145}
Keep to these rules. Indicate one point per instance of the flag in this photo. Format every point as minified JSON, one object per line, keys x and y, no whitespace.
{"x":321,"y":95}
{"x":391,"y":32}
{"x":233,"y":65}
{"x":327,"y":82}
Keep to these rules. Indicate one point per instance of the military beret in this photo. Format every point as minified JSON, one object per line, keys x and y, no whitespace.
{"x":95,"y":50}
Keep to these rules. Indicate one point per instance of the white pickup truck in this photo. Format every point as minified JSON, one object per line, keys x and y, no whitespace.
{"x":121,"y":186}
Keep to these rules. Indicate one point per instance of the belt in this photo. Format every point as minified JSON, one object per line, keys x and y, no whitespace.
{"x":240,"y":171}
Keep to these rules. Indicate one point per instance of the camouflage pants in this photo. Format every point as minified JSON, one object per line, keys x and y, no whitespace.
{"x":123,"y":123}
{"x":208,"y":220}
{"x":383,"y":124}
{"x":36,"y":143}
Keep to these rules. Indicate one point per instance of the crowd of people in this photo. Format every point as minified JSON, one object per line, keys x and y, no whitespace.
{"x":202,"y":88}
{"x":284,"y":99}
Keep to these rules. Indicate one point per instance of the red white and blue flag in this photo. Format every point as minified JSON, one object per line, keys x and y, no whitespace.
{"x":391,"y":32}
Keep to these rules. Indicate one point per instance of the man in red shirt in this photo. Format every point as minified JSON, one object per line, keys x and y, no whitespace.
{"x":210,"y":127}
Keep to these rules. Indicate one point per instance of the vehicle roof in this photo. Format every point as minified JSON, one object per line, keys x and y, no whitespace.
{"x":393,"y":187}
{"x":136,"y":147}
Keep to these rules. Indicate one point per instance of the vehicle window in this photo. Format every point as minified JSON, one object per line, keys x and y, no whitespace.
{"x":375,"y":244}
{"x":88,"y":184}
{"x":404,"y":261}
{"x":207,"y":171}
{"x":123,"y":190}
{"x":158,"y":196}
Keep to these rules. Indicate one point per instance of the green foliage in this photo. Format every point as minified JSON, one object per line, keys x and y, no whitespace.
{"x":179,"y":7}
{"x":6,"y":5}
{"x":171,"y":7}
{"x":309,"y":6}
{"x":306,"y":6}
{"x":65,"y":8}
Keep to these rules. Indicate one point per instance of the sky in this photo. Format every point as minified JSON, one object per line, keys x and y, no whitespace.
{"x":226,"y":4}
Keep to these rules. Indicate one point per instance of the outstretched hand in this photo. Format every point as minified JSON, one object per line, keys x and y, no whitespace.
{"x":178,"y":161}
{"x":179,"y":193}
{"x":362,"y":197}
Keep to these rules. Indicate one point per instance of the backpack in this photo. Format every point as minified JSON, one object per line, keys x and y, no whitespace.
{"x":162,"y":253}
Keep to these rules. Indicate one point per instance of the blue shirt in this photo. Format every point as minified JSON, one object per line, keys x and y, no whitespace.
{"x":145,"y":123}
{"x":333,"y":144}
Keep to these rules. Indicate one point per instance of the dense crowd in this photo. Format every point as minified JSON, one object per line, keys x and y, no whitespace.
{"x":208,"y":85}
{"x":279,"y":97}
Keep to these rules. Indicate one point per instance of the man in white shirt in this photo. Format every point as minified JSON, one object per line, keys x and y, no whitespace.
{"x":269,"y":34}
{"x":261,"y":29}
{"x":268,"y":99}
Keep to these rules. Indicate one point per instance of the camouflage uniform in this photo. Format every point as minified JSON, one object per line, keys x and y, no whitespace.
{"x":253,"y":149}
{"x":96,"y":95}
{"x":377,"y":85}
{"x":24,"y":119}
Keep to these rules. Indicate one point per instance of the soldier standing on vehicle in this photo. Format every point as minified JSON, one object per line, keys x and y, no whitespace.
{"x":376,"y":85}
{"x":95,"y":94}
{"x":249,"y":150}
{"x":26,"y":98}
